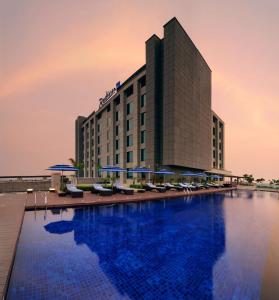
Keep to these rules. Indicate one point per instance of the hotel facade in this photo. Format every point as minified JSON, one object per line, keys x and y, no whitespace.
{"x":160,"y":117}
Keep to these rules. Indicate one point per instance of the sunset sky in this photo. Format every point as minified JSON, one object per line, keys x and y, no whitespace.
{"x":57,"y":58}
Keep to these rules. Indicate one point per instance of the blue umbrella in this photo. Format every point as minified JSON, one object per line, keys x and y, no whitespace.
{"x":190,"y":174}
{"x":141,"y":170}
{"x":164,"y":172}
{"x":202,"y":174}
{"x":112,"y":169}
{"x":216,"y":177}
{"x":62,"y":168}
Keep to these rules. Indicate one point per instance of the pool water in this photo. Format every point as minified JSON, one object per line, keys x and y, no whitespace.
{"x":218,"y":246}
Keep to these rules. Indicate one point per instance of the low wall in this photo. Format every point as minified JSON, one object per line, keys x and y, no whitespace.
{"x":23,"y":185}
{"x":86,"y":180}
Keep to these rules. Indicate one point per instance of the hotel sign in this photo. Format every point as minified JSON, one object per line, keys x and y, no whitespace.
{"x":108,"y":95}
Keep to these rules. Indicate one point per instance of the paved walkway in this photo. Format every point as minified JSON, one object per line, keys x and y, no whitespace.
{"x":11,"y":217}
{"x":12,"y":207}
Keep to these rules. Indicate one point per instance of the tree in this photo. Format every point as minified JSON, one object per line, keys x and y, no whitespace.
{"x":248,"y":178}
{"x":259,"y":180}
{"x":79,"y":166}
{"x":274,"y":181}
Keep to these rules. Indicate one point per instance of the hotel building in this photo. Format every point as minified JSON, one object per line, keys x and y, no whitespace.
{"x":160,"y":117}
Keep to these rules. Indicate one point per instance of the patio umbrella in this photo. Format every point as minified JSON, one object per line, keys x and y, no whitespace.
{"x":140,"y":170}
{"x":112,"y":169}
{"x":164,"y":172}
{"x":193,"y":174}
{"x":190,"y":174}
{"x":62,"y":168}
{"x":216,"y":177}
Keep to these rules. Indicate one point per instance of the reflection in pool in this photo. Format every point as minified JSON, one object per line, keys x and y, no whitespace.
{"x":202,"y":247}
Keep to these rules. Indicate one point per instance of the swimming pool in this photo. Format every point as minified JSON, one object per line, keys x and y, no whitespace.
{"x":217,"y":246}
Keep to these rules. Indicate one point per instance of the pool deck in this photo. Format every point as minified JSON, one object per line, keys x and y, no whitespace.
{"x":13,"y":206}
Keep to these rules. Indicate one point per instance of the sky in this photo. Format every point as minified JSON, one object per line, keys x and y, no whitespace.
{"x":57,"y":58}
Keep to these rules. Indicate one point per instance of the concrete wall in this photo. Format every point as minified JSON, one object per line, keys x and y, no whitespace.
{"x":79,"y":144}
{"x":23,"y":185}
{"x":105,"y":138}
{"x":154,"y":89}
{"x":178,"y":111}
{"x":187,"y":102}
{"x":218,"y":142}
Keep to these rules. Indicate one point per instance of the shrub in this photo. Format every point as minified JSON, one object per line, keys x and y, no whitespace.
{"x":136,"y":186}
{"x":84,"y":187}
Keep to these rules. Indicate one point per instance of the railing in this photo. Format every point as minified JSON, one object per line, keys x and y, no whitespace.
{"x":22,"y":183}
{"x":24,"y":177}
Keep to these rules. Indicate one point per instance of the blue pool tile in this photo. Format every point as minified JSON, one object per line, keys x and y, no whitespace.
{"x":202,"y":247}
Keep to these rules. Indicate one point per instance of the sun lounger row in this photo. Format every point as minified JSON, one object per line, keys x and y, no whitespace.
{"x":97,"y":188}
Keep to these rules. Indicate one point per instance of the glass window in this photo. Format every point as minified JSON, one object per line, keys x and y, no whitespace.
{"x":142,"y":119}
{"x":129,"y":140}
{"x":142,"y":154}
{"x":129,"y":108}
{"x":98,"y":139}
{"x":98,"y":128}
{"x":220,"y":146}
{"x":116,"y":115}
{"x":99,"y":166}
{"x":107,"y":147}
{"x":108,"y":160}
{"x":142,"y":100}
{"x":214,"y":130}
{"x":117,"y":100}
{"x":129,"y":91}
{"x":129,"y":156}
{"x":116,"y":130}
{"x":117,"y":144}
{"x":214,"y":155}
{"x":128,"y":174}
{"x":116,"y":158}
{"x":99,"y":150}
{"x":142,"y":81}
{"x":129,"y":124}
{"x":214,"y":142}
{"x":142,"y":136}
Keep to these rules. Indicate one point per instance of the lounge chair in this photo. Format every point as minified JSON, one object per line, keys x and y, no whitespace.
{"x":190,"y":186}
{"x":227,"y":184}
{"x":184,"y":186}
{"x":73,"y":191}
{"x":151,"y":187}
{"x":98,"y":189}
{"x":170,"y":186}
{"x":122,"y":189}
{"x":210,"y":185}
{"x":200,"y":186}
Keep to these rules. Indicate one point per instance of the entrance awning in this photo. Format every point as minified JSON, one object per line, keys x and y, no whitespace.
{"x":223,"y":173}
